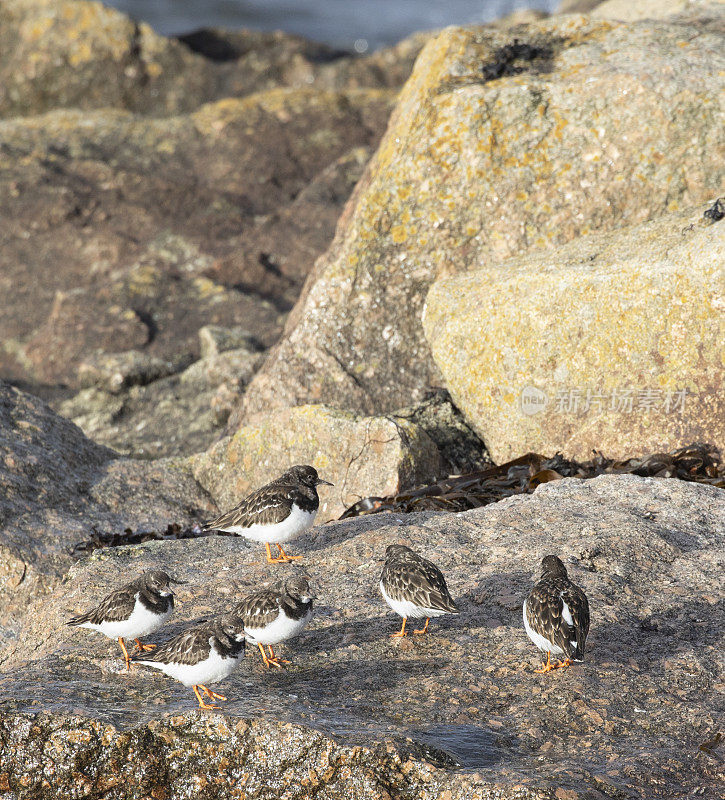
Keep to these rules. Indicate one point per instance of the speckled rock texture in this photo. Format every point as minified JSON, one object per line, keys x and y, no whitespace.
{"x":57,"y":488}
{"x":592,"y":346}
{"x":456,"y":715}
{"x":124,"y":232}
{"x":359,"y":455}
{"x":501,"y":142}
{"x":628,"y":11}
{"x":78,"y":54}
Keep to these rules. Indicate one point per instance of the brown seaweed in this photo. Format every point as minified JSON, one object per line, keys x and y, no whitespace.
{"x":699,"y":463}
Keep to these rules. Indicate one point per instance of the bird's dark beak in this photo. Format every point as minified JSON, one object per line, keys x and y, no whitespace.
{"x":323,"y":483}
{"x":312,"y":594}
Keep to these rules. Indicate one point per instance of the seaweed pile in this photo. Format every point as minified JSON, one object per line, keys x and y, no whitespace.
{"x":700,"y":463}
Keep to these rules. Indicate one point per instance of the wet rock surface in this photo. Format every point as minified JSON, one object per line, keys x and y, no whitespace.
{"x":503,"y":141}
{"x":457,"y":714}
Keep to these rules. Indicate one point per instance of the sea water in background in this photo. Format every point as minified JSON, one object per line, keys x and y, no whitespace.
{"x":359,"y":24}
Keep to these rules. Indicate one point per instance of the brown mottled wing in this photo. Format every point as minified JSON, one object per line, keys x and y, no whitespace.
{"x":189,"y":647}
{"x":418,"y":581}
{"x":544,"y":612}
{"x":266,"y":506}
{"x":259,"y":609}
{"x":114,"y":607}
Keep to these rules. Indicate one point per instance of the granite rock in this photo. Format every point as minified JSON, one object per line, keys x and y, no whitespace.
{"x":502,"y":141}
{"x":456,"y":715}
{"x":612,"y":343}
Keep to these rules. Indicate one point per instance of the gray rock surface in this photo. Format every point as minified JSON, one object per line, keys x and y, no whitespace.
{"x":174,"y":415}
{"x":58,"y":489}
{"x":358,"y":714}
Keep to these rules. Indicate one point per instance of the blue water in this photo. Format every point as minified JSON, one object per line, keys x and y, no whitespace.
{"x":359,"y":24}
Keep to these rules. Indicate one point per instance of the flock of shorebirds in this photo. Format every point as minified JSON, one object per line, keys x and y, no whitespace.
{"x":556,"y":612}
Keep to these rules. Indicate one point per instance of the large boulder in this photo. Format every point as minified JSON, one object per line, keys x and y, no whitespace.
{"x":611,"y":343}
{"x":59,"y":492}
{"x":124,"y":232}
{"x":502,"y":141}
{"x":361,"y":456}
{"x":455,"y":715}
{"x":78,"y":54}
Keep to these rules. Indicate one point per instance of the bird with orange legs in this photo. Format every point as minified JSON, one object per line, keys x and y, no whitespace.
{"x":206,"y":653}
{"x":556,"y":616}
{"x":135,"y":610}
{"x":277,"y":512}
{"x":272,"y":616}
{"x":414,"y":588}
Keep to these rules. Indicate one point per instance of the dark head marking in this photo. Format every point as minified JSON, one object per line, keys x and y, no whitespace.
{"x":299,"y":588}
{"x":553,"y":567}
{"x":232,"y":626}
{"x":398,"y":551}
{"x":306,"y":475}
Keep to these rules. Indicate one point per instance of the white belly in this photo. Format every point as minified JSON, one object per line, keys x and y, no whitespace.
{"x":140,"y":623}
{"x":213,"y":669}
{"x":541,"y":642}
{"x":407,"y":609}
{"x":297,"y":522}
{"x":278,"y":631}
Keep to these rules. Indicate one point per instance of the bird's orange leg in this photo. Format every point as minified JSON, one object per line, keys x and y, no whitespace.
{"x":281,"y":558}
{"x":547,"y":667}
{"x":202,"y":704}
{"x":401,"y":632}
{"x":211,"y":695}
{"x":425,"y":627}
{"x":125,"y":653}
{"x":284,"y":557}
{"x":144,"y":648}
{"x":277,"y":659}
{"x":268,"y":662}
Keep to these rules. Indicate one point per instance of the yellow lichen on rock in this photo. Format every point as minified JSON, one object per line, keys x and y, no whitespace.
{"x":501,"y":142}
{"x":360,"y":455}
{"x":615,"y":342}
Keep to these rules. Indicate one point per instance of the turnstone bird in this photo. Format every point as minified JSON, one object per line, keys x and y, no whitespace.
{"x":277,"y":512}
{"x":133,"y":611}
{"x":205,"y":653}
{"x":556,"y":615}
{"x":272,"y":616}
{"x":414,"y":587}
